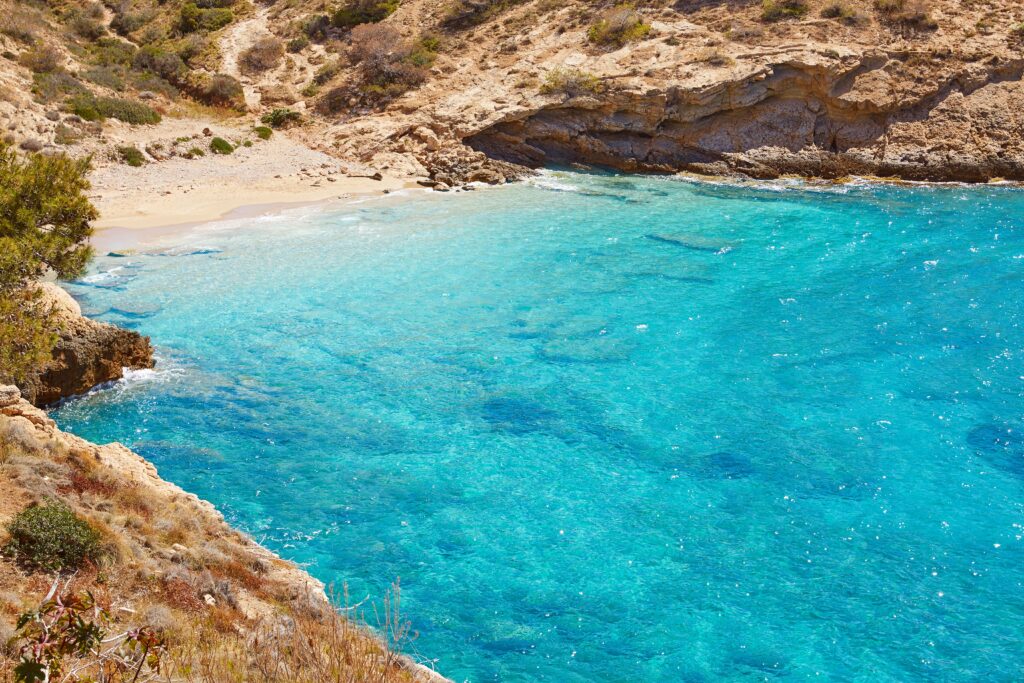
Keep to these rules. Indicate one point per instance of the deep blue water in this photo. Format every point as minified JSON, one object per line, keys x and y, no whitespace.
{"x":614,"y":428}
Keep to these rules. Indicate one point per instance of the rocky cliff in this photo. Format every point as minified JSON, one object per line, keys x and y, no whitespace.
{"x":172,"y":563}
{"x":88,"y":353}
{"x":810,"y":113}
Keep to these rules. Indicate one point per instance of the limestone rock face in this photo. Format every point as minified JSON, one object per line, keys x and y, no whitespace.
{"x":803,"y":114}
{"x":88,"y":353}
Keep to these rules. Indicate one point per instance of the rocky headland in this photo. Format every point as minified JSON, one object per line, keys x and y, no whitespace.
{"x":88,"y":353}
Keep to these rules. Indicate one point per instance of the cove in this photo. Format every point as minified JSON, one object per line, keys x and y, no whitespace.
{"x":613,"y":428}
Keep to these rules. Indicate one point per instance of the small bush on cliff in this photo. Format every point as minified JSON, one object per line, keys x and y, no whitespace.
{"x":776,"y":10}
{"x":222,"y":90}
{"x":906,"y":14}
{"x":264,"y":54}
{"x":45,"y":222}
{"x":842,"y":12}
{"x":462,"y":14}
{"x":280,"y":118}
{"x":42,"y":59}
{"x":618,"y":26}
{"x":355,"y":12}
{"x":191,"y":18}
{"x":51,"y":537}
{"x":388,"y":64}
{"x":571,"y":82}
{"x":21,"y":23}
{"x":263,"y":132}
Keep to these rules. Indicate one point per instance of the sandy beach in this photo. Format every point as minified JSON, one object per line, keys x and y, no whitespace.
{"x":179,"y":191}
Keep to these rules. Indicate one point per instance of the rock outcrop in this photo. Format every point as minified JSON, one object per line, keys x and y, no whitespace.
{"x":87,"y":353}
{"x":809,"y":114}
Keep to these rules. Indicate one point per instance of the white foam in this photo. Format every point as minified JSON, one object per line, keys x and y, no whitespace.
{"x":104,"y":276}
{"x":551,"y":180}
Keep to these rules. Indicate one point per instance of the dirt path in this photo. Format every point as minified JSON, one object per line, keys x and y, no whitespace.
{"x":234,"y":41}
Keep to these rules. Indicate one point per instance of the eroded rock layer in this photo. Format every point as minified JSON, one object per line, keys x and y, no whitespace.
{"x":814,"y":115}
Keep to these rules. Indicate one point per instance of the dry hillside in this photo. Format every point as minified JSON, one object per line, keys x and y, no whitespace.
{"x":922,"y":89}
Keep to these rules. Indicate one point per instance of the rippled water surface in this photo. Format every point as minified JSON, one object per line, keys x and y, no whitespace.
{"x":613,"y":428}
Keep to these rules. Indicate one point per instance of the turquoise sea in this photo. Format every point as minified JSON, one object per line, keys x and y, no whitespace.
{"x":612,"y":428}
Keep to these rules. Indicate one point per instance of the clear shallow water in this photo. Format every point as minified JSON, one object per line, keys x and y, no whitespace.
{"x":784,"y":440}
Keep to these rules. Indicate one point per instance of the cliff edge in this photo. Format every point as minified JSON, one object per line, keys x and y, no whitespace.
{"x":171,"y":563}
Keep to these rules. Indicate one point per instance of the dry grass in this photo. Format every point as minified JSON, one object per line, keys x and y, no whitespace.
{"x":911,"y":15}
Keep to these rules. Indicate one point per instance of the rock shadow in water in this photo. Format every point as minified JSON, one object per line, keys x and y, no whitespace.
{"x":1000,"y":445}
{"x":695,"y":242}
{"x":517,"y":415}
{"x":728,"y":465}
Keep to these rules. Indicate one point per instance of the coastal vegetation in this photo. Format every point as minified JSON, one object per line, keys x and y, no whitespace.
{"x":221,"y":146}
{"x":45,"y":222}
{"x":775,"y":10}
{"x":51,"y":537}
{"x":356,"y":12}
{"x":620,"y":25}
{"x":570,"y":82}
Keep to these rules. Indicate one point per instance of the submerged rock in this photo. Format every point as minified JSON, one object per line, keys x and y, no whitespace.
{"x":87,"y":353}
{"x":695,"y":242}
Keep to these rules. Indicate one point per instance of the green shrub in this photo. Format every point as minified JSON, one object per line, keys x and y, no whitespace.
{"x":191,"y":18}
{"x":42,"y":59}
{"x":126,"y":21}
{"x":355,"y":12}
{"x":149,"y":81}
{"x":572,"y":82}
{"x":107,"y":76}
{"x":55,"y":85}
{"x":87,"y":22}
{"x":263,"y":132}
{"x":92,"y":108}
{"x":51,"y":537}
{"x":317,"y":26}
{"x":221,"y":146}
{"x":842,"y":12}
{"x":775,"y":10}
{"x":424,"y":51}
{"x":280,"y":118}
{"x":46,"y":226}
{"x":131,"y":156}
{"x":109,"y":51}
{"x":168,"y":65}
{"x":618,"y":26}
{"x":194,"y":152}
{"x":192,"y":46}
{"x":297,"y":44}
